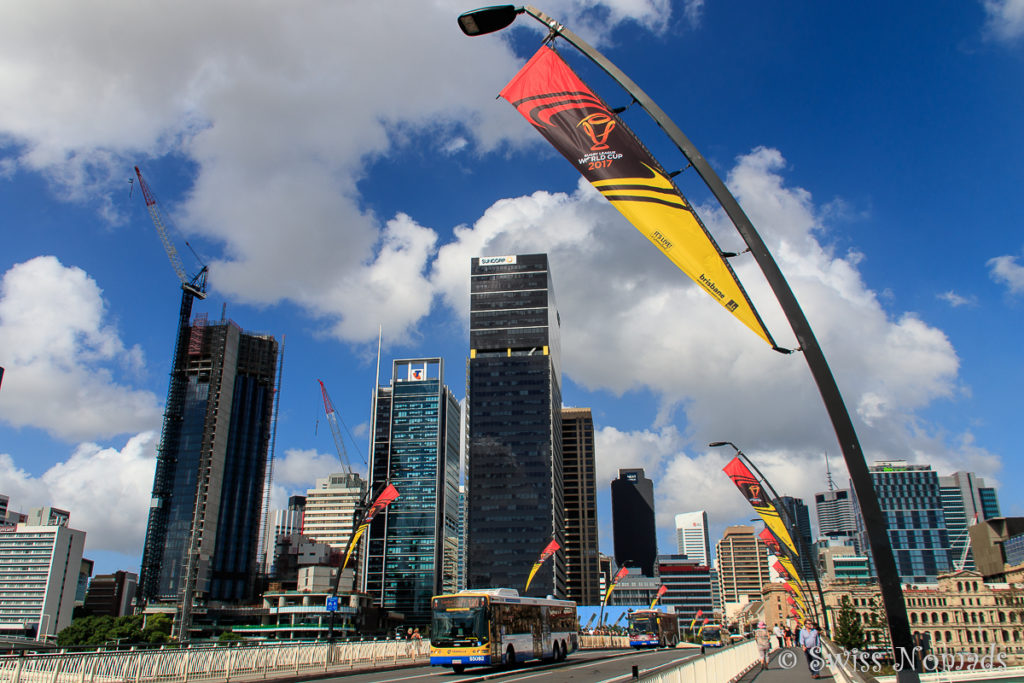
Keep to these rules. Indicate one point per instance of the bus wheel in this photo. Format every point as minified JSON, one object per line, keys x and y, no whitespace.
{"x":562,"y":651}
{"x":510,"y":657}
{"x":458,"y":668}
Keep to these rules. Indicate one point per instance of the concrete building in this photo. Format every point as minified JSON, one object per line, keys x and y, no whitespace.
{"x":959,"y":612}
{"x":280,"y":523}
{"x":329,"y":515}
{"x":836,"y":516}
{"x":742,"y":564}
{"x":688,"y":584}
{"x":988,"y":545}
{"x":579,"y":479}
{"x":842,"y":563}
{"x":203,"y":531}
{"x":692,"y":536}
{"x":39,"y":570}
{"x":514,"y":444}
{"x":111,"y":594}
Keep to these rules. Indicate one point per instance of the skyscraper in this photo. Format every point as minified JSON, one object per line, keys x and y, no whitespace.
{"x":633,"y":529}
{"x":911,"y":499}
{"x":211,"y":463}
{"x":692,"y":536}
{"x":965,"y":501}
{"x":413,"y":545}
{"x":514,"y":398}
{"x":799,"y":520}
{"x":281,"y":523}
{"x":329,"y":511}
{"x":583,"y":573}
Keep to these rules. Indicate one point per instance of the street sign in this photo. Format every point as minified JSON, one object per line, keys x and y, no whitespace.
{"x":332,"y":603}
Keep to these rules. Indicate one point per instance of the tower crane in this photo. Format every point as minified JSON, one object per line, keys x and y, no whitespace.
{"x":170,"y":439}
{"x":332,"y":419}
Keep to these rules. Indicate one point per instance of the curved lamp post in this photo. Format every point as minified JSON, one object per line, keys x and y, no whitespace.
{"x":489,"y":19}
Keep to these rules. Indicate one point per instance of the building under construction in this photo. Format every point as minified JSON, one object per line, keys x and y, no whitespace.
{"x":204,"y":518}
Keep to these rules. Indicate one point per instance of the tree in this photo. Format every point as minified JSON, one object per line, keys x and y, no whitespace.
{"x":93,"y":631}
{"x":849,"y":635}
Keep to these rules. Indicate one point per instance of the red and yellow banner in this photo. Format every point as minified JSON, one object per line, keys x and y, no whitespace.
{"x":661,"y":591}
{"x":622,"y":572}
{"x":383,"y":500}
{"x":580,"y":125}
{"x":695,"y":618}
{"x":549,"y":550}
{"x":758,"y":498}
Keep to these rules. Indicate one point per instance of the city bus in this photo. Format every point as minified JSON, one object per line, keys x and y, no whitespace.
{"x":497,"y":626}
{"x":652,"y":628}
{"x":714,"y":635}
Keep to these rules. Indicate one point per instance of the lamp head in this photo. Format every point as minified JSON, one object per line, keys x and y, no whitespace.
{"x":487,"y":19}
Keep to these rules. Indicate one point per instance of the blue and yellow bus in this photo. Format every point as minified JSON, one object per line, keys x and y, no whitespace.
{"x":652,"y":628}
{"x":714,"y":635}
{"x":497,"y":626}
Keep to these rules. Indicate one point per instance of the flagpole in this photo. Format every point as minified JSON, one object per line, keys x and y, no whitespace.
{"x":491,"y":19}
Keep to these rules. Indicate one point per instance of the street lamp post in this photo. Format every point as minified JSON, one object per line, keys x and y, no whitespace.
{"x":489,"y":19}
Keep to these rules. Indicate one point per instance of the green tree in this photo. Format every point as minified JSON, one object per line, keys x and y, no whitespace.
{"x":96,"y":631}
{"x":230,"y":637}
{"x":849,"y":634}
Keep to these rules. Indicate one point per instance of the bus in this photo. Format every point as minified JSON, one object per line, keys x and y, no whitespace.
{"x":714,"y":635}
{"x":652,"y":628}
{"x":496,"y":626}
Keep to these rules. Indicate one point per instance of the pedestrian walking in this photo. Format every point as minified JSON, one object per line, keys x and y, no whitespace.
{"x":810,"y":641}
{"x":780,"y":638}
{"x":764,"y":643}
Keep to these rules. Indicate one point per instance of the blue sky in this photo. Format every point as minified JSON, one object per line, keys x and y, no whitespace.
{"x":338,"y":164}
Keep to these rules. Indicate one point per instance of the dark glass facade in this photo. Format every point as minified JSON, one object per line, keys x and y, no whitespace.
{"x":799,"y":521}
{"x":689,"y":587}
{"x":583,"y":576}
{"x":633,"y":528}
{"x":413,"y":546}
{"x":226,"y":387}
{"x":514,"y":480}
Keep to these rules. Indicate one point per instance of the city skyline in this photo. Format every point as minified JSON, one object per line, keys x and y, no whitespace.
{"x":326,"y":207}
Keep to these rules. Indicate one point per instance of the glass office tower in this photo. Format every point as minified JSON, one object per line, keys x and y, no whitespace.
{"x":413,"y":545}
{"x":515,"y":492}
{"x":633,"y":527}
{"x":219,"y":435}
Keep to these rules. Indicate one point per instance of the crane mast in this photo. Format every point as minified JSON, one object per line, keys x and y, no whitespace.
{"x":332,"y":420}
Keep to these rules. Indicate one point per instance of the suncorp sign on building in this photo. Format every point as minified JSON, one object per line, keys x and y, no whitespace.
{"x":497,"y":260}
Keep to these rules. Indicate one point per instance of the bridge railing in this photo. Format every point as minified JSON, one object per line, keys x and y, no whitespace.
{"x":726,"y":664}
{"x":200,"y":664}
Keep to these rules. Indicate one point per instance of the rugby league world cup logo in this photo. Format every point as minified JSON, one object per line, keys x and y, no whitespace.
{"x":598,"y":126}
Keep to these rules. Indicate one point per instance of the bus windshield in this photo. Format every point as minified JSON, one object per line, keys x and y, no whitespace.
{"x":455,"y":624}
{"x":643,"y":624}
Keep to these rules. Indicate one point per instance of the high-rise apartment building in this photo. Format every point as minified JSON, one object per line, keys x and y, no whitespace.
{"x":329,"y":513}
{"x":836,"y":516}
{"x":692,"y":536}
{"x":799,"y":520}
{"x":111,"y":594}
{"x":742,"y":563}
{"x":583,"y":573}
{"x":633,"y":528}
{"x":965,"y":501}
{"x":211,"y":464}
{"x":911,"y":499}
{"x":39,"y":568}
{"x":514,"y":445}
{"x":413,"y":546}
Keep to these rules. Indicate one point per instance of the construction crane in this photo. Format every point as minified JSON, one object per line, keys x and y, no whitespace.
{"x":191,"y":288}
{"x":332,"y":419}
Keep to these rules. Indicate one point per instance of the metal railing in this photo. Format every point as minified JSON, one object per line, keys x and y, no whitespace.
{"x":719,"y":665}
{"x":215,"y":663}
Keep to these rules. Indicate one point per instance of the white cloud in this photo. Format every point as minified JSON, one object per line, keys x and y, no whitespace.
{"x":1005,"y":19}
{"x":62,"y":357}
{"x":1005,"y":270}
{"x":631,"y":321}
{"x":106,"y":490}
{"x":955,"y":300}
{"x":280,"y":109}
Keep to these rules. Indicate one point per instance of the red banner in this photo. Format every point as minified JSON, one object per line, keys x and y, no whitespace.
{"x":758,"y":498}
{"x":549,"y":550}
{"x":606,"y":152}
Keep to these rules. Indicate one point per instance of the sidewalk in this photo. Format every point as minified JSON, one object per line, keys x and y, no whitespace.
{"x":784,"y":665}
